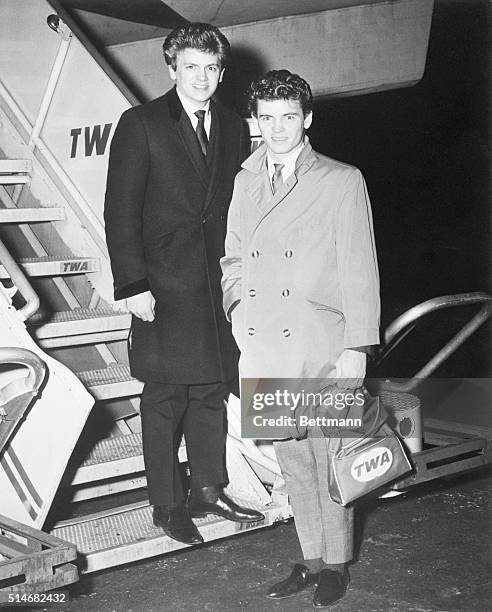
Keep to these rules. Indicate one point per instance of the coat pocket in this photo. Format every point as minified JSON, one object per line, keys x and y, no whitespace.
{"x":317,"y":305}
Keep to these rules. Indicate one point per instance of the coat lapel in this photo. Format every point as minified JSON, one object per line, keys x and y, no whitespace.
{"x":273,"y":200}
{"x":215,"y":153}
{"x":188,"y":136}
{"x":260,"y":190}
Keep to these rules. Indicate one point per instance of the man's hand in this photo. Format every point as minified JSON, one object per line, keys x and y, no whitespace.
{"x":351,"y":369}
{"x":142,"y":305}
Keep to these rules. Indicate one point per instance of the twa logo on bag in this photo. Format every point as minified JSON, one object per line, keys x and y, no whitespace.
{"x":361,"y":465}
{"x":372,"y":464}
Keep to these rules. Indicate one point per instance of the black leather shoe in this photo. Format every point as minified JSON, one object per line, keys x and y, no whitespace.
{"x":213,"y":500}
{"x":331,"y":587}
{"x":299,"y":579}
{"x":177,"y":524}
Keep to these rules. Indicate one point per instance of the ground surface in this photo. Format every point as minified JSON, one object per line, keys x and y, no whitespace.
{"x":426,"y":552}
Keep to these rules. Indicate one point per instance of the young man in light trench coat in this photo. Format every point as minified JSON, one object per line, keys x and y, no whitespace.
{"x":301,"y":287}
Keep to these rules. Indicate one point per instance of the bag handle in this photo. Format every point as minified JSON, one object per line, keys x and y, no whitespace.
{"x":376,"y":425}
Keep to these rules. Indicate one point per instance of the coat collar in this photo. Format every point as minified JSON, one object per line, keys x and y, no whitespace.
{"x":256,"y":162}
{"x":259,"y":189}
{"x":174,"y":104}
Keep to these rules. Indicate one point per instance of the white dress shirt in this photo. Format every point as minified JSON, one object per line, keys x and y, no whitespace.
{"x":289,"y":163}
{"x":190,"y":110}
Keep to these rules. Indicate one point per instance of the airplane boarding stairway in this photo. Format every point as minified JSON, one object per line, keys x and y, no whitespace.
{"x":60,"y":99}
{"x":115,"y":463}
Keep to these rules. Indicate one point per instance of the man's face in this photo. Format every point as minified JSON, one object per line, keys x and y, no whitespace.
{"x":197,"y":75}
{"x":282,"y":124}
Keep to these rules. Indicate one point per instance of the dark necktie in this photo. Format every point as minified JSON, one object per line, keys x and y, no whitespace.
{"x":201,"y":134}
{"x":277,"y":179}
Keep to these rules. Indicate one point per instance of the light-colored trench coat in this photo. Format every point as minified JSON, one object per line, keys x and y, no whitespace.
{"x":302,"y":264}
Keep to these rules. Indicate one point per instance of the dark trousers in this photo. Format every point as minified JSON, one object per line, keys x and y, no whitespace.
{"x":198,"y":412}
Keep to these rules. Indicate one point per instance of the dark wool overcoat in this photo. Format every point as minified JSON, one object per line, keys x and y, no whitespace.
{"x":165,"y":214}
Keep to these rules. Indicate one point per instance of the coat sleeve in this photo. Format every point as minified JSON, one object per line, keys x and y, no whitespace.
{"x":123,"y":206}
{"x":357,"y":264}
{"x":231,"y":263}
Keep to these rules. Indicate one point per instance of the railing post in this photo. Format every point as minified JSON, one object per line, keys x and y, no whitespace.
{"x":20,"y":281}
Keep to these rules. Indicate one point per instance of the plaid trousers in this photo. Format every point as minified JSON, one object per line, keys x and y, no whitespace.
{"x":324,"y":528}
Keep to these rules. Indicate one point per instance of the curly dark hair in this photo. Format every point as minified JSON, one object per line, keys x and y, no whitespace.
{"x":280,"y":85}
{"x":201,"y":36}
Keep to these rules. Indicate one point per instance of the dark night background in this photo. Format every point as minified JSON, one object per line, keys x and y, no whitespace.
{"x":424,"y":153}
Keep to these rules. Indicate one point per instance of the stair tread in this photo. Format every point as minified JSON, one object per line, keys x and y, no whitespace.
{"x":78,"y":314}
{"x":47,"y":258}
{"x":31,"y":215}
{"x":111,"y":382}
{"x":56,"y":265}
{"x":114,"y":449}
{"x":12,"y":166}
{"x":80,"y":326}
{"x":130,"y":530}
{"x":114,"y":374}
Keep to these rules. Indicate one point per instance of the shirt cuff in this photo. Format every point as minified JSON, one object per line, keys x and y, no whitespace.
{"x":140,"y":286}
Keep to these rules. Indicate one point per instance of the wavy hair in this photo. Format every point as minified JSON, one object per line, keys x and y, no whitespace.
{"x":280,"y":85}
{"x":201,"y":36}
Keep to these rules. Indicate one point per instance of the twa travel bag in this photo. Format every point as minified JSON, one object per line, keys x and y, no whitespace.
{"x":361,"y":465}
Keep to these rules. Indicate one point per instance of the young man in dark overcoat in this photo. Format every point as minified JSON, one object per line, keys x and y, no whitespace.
{"x":170,"y":178}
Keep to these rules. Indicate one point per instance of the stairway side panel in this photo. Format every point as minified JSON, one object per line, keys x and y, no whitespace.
{"x":27,"y":52}
{"x":32,"y":464}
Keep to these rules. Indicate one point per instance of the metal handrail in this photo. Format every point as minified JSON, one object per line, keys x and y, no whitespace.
{"x":35,"y":377}
{"x":20,"y":281}
{"x":406,"y":322}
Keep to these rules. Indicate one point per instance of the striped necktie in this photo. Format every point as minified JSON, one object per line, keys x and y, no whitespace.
{"x":201,"y":134}
{"x":277,"y":179}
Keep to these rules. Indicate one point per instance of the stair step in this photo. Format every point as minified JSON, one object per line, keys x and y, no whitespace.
{"x":127,"y":534}
{"x":14,"y":171}
{"x":81,"y":326}
{"x":110,"y":383}
{"x":55,"y":266}
{"x":115,"y":457}
{"x":31,"y":215}
{"x":110,"y":458}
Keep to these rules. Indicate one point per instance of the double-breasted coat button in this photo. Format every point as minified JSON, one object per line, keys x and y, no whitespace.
{"x":255,"y":253}
{"x":251,"y":331}
{"x":288,"y":253}
{"x":285,"y":293}
{"x":252,"y":293}
{"x":286,"y":332}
